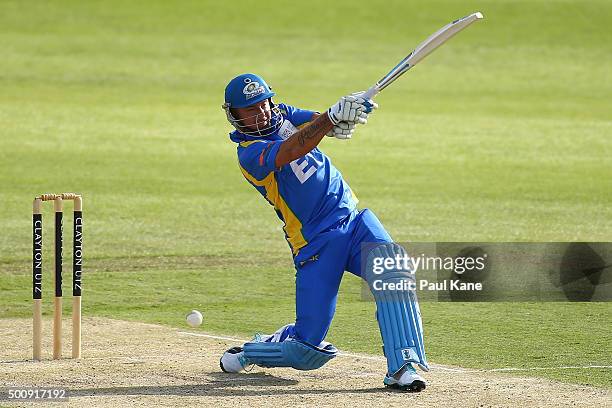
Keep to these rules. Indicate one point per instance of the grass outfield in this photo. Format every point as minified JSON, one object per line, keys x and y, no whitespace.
{"x":501,"y":135}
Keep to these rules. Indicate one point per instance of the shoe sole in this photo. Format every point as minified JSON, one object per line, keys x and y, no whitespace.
{"x":415,"y":386}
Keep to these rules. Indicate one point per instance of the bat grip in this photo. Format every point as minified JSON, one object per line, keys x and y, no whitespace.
{"x":370,"y":93}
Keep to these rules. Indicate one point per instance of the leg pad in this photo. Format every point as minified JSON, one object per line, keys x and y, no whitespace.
{"x":398,"y":314}
{"x":289,"y":353}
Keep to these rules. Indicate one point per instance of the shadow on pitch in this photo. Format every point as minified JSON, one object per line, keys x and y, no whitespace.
{"x":222,"y":384}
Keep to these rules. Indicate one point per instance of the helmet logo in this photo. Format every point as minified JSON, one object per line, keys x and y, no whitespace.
{"x":252,"y":88}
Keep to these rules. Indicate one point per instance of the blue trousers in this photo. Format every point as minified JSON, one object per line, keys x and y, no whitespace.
{"x":320,"y":266}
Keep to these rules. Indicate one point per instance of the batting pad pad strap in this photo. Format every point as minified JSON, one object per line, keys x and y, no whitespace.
{"x":289,"y":353}
{"x":391,"y":279}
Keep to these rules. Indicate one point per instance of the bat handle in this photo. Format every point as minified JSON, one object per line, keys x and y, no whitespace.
{"x":369,"y":94}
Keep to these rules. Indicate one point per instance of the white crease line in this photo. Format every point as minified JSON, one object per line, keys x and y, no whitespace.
{"x":210,"y":336}
{"x":536,"y":368}
{"x":433,"y":366}
{"x":365,"y":357}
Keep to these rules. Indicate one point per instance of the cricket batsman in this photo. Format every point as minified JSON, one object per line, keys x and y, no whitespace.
{"x":326,"y":232}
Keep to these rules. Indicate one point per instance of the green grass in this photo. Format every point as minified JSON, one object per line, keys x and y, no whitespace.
{"x":501,"y":135}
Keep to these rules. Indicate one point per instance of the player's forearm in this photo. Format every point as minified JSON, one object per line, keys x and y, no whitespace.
{"x":304,"y":140}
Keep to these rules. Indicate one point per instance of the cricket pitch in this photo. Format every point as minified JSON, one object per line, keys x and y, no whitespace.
{"x":136,"y":364}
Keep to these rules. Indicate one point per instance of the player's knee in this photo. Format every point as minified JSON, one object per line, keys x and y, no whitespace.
{"x":312,"y":327}
{"x":376,"y":231}
{"x":314,"y":335}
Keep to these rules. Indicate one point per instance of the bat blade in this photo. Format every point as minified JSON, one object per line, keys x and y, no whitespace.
{"x":441,"y":36}
{"x":422,"y":50}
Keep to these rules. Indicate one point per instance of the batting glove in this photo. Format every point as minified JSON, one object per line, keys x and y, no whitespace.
{"x":350,"y":108}
{"x":343,"y":130}
{"x":369,"y":104}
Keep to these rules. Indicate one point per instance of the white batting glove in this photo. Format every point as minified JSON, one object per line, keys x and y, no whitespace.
{"x":369,"y":104}
{"x":349,"y":109}
{"x":343,"y":130}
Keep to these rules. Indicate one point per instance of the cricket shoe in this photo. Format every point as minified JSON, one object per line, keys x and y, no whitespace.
{"x":234,"y":361}
{"x":409,"y":380}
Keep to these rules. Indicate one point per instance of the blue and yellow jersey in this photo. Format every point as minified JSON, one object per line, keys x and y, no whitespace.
{"x":308,"y":194}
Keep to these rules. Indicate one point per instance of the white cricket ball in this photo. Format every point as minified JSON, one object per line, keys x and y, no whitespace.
{"x":194,"y":318}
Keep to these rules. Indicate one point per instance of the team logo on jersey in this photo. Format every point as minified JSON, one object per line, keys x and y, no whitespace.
{"x":286,"y":129}
{"x":252,"y":88}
